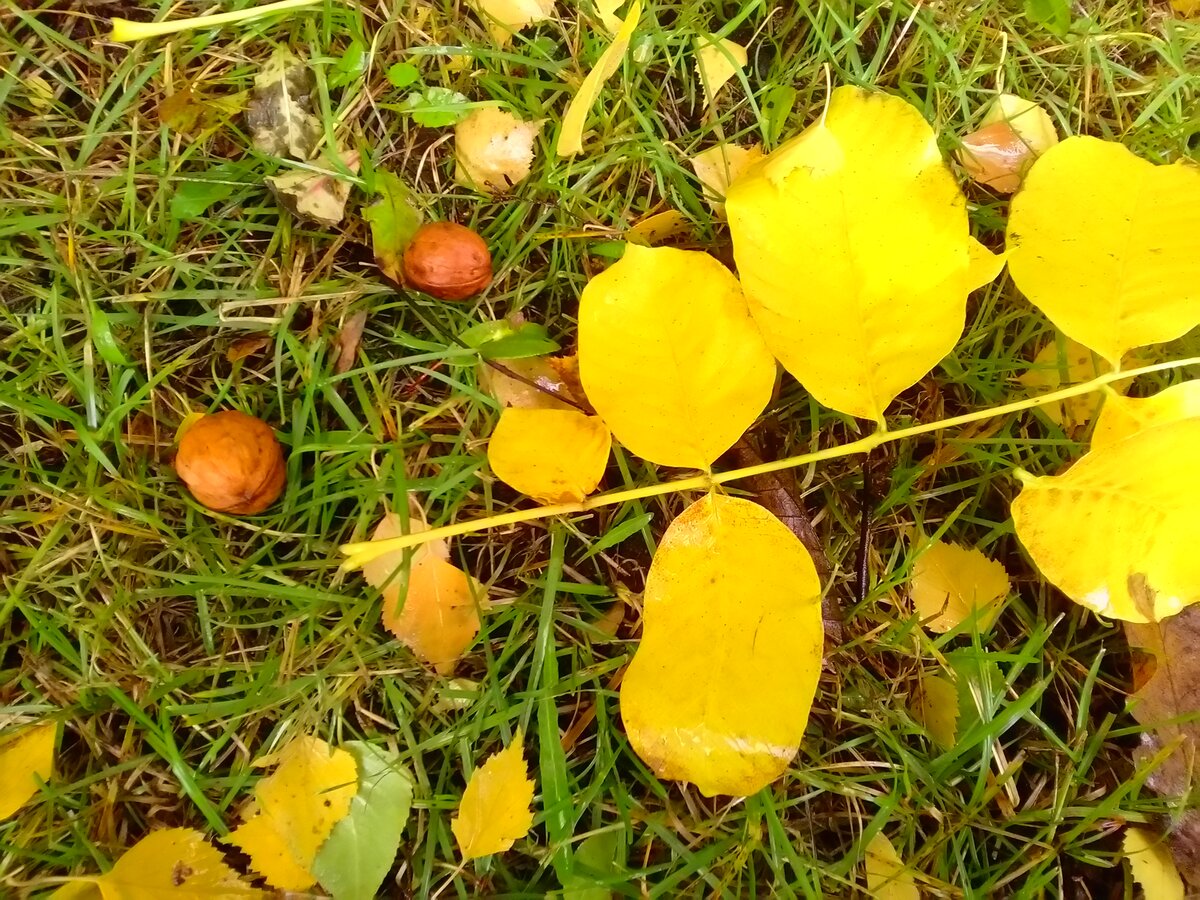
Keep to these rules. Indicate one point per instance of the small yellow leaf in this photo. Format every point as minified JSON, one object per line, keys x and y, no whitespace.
{"x":1186,"y":7}
{"x":1124,"y":416}
{"x":384,"y":570}
{"x":570,"y":136}
{"x":493,"y":149}
{"x":296,"y":809}
{"x":495,"y":810}
{"x":504,"y":18}
{"x":887,"y":877}
{"x":720,"y":688}
{"x":659,"y":228}
{"x":437,"y":616}
{"x":1116,"y":533}
{"x":174,"y":862}
{"x":718,"y":167}
{"x":1151,"y":864}
{"x":1031,"y":123}
{"x":950,"y":582}
{"x":607,"y":11}
{"x":854,"y":252}
{"x":669,"y":356}
{"x":982,"y":265}
{"x":553,"y":455}
{"x":26,"y":760}
{"x":1053,"y":368}
{"x":546,"y":375}
{"x":716,"y":62}
{"x":1103,"y":243}
{"x":937,"y":709}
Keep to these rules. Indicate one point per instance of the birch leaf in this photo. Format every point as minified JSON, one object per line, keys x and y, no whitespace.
{"x":493,"y":149}
{"x":26,"y":760}
{"x":495,"y":811}
{"x":937,"y":709}
{"x":504,"y":18}
{"x":296,"y":809}
{"x":853,"y":248}
{"x":570,"y":136}
{"x":547,"y":385}
{"x":659,"y":228}
{"x":716,"y":62}
{"x":1116,"y":532}
{"x":1103,"y":243}
{"x":173,"y":863}
{"x":553,"y":455}
{"x":887,"y":877}
{"x":280,"y":115}
{"x":436,"y":612}
{"x":718,"y":167}
{"x":1125,"y":416}
{"x":1151,"y":865}
{"x":720,"y":688}
{"x":384,"y":570}
{"x":951,"y":583}
{"x":677,"y":380}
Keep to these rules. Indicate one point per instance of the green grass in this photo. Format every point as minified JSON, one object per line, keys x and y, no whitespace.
{"x":176,"y":645}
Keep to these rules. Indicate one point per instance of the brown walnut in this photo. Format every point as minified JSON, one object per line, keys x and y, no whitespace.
{"x":232,"y":463}
{"x":447,"y":261}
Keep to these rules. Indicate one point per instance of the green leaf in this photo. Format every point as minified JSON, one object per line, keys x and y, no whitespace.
{"x":402,"y":74}
{"x":777,"y":105}
{"x":193,"y":198}
{"x":436,"y":107}
{"x":103,"y":339}
{"x":352,"y":64}
{"x":599,"y":860}
{"x":353,"y":862}
{"x":394,"y":220}
{"x":1053,"y":15}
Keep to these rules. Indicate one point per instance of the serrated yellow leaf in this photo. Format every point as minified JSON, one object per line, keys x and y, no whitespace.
{"x":493,"y":149}
{"x":937,"y":709}
{"x":570,"y":136}
{"x":553,"y":455}
{"x":496,"y":808}
{"x":296,"y":808}
{"x":950,"y":583}
{"x":26,"y":760}
{"x":887,"y":877}
{"x":720,"y":166}
{"x":669,"y":356}
{"x":504,"y":18}
{"x":1103,"y":243}
{"x":717,"y":62}
{"x":172,"y":863}
{"x":853,"y":248}
{"x":1151,"y":864}
{"x":1055,"y":367}
{"x":436,"y":614}
{"x":1116,"y":533}
{"x":385,"y":570}
{"x":720,"y":688}
{"x":1124,"y":416}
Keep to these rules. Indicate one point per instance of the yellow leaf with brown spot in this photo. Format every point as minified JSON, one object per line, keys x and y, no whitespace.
{"x":1124,"y":416}
{"x":720,"y":688}
{"x":570,"y":136}
{"x":496,"y":808}
{"x":659,"y":228}
{"x":26,"y":760}
{"x":295,"y":810}
{"x":1151,"y":865}
{"x":951,"y":583}
{"x":535,"y":382}
{"x":436,"y":612}
{"x":553,"y":455}
{"x":1116,"y":532}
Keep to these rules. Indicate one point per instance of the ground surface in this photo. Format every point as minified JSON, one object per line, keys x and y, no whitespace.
{"x":176,"y":645}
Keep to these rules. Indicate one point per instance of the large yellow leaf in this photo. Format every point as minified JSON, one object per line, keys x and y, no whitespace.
{"x":887,"y":877}
{"x":1104,"y":243}
{"x":1151,"y":864}
{"x":950,"y":583}
{"x":1116,"y":533}
{"x":296,"y":809}
{"x":26,"y":759}
{"x":720,"y":689}
{"x":496,"y":806}
{"x":669,"y":356}
{"x":553,"y":455}
{"x":852,"y":245}
{"x":1123,"y":416}
{"x":570,"y":136}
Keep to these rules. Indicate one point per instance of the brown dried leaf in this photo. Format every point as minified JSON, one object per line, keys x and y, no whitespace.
{"x":348,"y":339}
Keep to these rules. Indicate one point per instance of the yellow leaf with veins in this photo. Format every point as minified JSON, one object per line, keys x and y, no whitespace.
{"x":1124,"y":416}
{"x":570,"y":136}
{"x":553,"y":455}
{"x":720,"y":688}
{"x":950,"y":583}
{"x":495,"y":810}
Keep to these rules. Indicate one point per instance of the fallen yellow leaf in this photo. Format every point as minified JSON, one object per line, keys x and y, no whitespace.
{"x":853,"y":248}
{"x":720,"y":688}
{"x":504,"y":18}
{"x":1124,"y":416}
{"x":937,"y":709}
{"x":570,"y":136}
{"x":546,"y":375}
{"x":26,"y":760}
{"x":718,"y":167}
{"x":659,"y":228}
{"x":950,"y":583}
{"x":1012,"y":135}
{"x":493,"y":149}
{"x":437,"y":617}
{"x":669,"y":356}
{"x":296,"y":809}
{"x":1151,"y":865}
{"x":716,"y":62}
{"x":496,"y":806}
{"x":607,"y":11}
{"x":1186,"y":7}
{"x":1103,"y":243}
{"x":1116,"y":532}
{"x":553,"y":455}
{"x":1054,"y":368}
{"x":887,"y":877}
{"x":385,"y":570}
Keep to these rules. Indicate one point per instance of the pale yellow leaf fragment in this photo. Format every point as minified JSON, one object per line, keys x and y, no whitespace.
{"x":937,"y":709}
{"x":384,"y":570}
{"x":1116,"y":533}
{"x":493,"y":149}
{"x":853,"y":248}
{"x":669,"y":356}
{"x":553,"y":455}
{"x":173,"y":863}
{"x":721,"y":686}
{"x":545,"y":373}
{"x":570,"y":136}
{"x":26,"y":760}
{"x":659,"y":228}
{"x":950,"y":583}
{"x":504,"y":18}
{"x":296,"y":809}
{"x":1186,"y":7}
{"x":1124,"y":416}
{"x":436,"y":613}
{"x":495,"y":811}
{"x":716,"y":62}
{"x":1104,"y":244}
{"x":1151,"y":864}
{"x":1056,"y":367}
{"x":887,"y":877}
{"x":720,"y":166}
{"x":607,"y":11}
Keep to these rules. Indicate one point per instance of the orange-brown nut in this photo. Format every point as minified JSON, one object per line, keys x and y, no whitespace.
{"x":232,"y":463}
{"x":447,"y":261}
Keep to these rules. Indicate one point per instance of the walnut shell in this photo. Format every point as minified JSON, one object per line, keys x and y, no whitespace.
{"x":232,"y":463}
{"x":447,"y":261}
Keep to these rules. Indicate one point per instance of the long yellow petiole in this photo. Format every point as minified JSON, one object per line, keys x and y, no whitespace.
{"x":363,"y":552}
{"x":126,"y":31}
